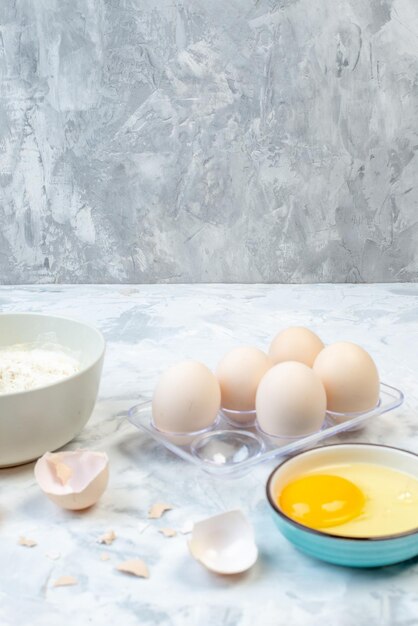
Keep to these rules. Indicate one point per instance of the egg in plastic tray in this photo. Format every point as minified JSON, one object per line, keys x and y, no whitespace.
{"x":228,"y":449}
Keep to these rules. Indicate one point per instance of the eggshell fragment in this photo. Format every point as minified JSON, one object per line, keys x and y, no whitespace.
{"x":239,"y":373}
{"x":158,"y":509}
{"x":291,"y":401}
{"x":186,"y":399}
{"x":136,"y":567}
{"x":224,"y":543}
{"x":73,"y":479}
{"x":63,"y":471}
{"x":104,"y":557}
{"x":65,"y":581}
{"x":108,"y":538}
{"x":295,"y":344}
{"x":54,"y":556}
{"x":28,"y":543}
{"x":167,"y":532}
{"x":350,"y":378}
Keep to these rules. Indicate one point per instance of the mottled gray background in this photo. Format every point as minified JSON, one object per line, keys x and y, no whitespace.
{"x":208,"y":140}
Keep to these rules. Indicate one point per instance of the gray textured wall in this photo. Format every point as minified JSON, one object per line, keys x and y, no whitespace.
{"x":208,"y":140}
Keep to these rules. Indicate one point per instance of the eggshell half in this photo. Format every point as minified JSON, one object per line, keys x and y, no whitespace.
{"x":186,"y":399}
{"x":290,"y":401}
{"x":74,"y":479}
{"x":224,"y":543}
{"x":239,"y":373}
{"x":350,"y":378}
{"x":295,"y":344}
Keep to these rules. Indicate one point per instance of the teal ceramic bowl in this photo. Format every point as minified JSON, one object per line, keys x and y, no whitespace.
{"x":348,"y":551}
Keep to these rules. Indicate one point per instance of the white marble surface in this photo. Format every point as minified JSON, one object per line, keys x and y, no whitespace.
{"x":148,"y":328}
{"x":159,"y":141}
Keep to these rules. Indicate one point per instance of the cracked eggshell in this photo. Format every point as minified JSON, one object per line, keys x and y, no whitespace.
{"x":239,"y":373}
{"x":186,"y":399}
{"x":75,"y":479}
{"x":295,"y":344}
{"x":224,"y":543}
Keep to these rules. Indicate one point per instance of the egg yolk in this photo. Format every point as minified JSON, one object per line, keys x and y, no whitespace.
{"x":321,"y":500}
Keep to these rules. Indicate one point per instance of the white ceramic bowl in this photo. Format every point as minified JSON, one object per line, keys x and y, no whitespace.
{"x":35,"y":421}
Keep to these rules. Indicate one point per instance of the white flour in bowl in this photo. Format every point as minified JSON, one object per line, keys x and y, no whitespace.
{"x":26,"y":367}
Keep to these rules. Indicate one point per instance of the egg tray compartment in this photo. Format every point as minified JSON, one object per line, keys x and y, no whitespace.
{"x":226,"y":449}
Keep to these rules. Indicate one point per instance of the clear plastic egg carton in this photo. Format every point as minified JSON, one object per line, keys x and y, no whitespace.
{"x":228,"y":448}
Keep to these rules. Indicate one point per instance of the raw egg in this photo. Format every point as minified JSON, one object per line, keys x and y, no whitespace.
{"x":186,"y":399}
{"x":321,"y":500}
{"x":290,"y":400}
{"x":295,"y":344}
{"x":350,"y":378}
{"x":239,"y":373}
{"x":353,"y":500}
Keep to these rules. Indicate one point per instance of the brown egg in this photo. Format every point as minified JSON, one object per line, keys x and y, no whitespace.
{"x":350,"y":377}
{"x":186,"y":399}
{"x":295,"y":344}
{"x":239,"y":373}
{"x":290,"y":400}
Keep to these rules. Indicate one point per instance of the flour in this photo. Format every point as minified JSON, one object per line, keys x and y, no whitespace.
{"x":27,"y":367}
